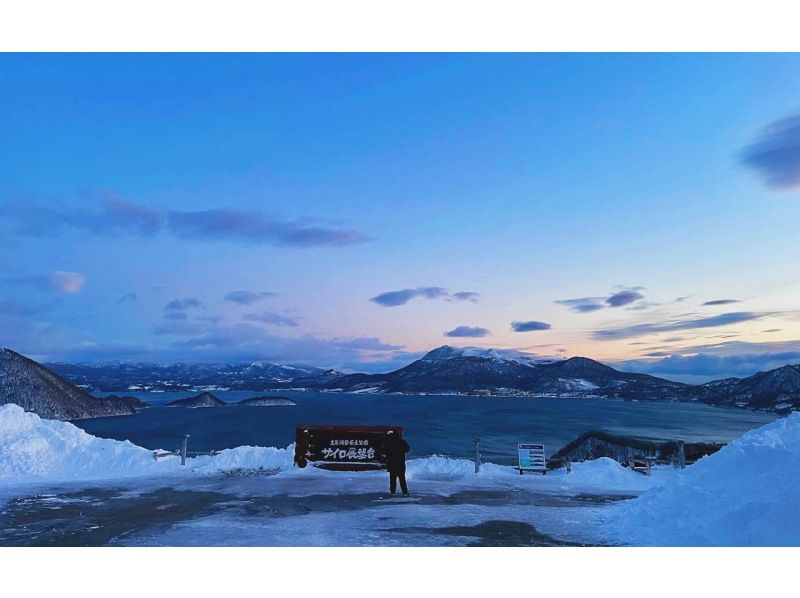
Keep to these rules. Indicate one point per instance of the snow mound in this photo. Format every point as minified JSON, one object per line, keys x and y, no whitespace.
{"x":33,"y":449}
{"x":438,"y":467}
{"x":747,"y":494}
{"x":246,"y":458}
{"x":607,"y":473}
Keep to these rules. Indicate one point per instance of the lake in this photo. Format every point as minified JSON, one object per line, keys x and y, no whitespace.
{"x":433,"y":424}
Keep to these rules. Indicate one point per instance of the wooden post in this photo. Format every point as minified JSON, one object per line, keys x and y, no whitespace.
{"x":477,"y":455}
{"x":681,"y":454}
{"x":184,"y":446}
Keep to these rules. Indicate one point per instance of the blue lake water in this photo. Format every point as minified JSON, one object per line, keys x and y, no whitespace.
{"x":433,"y":424}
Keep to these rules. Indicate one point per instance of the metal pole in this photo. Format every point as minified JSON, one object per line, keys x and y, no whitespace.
{"x":681,"y":454}
{"x":477,"y":455}
{"x":184,"y":446}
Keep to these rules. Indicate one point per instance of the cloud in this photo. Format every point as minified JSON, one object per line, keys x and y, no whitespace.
{"x":248,"y":297}
{"x":466,"y":296}
{"x":176,"y":315}
{"x":776,"y":154}
{"x":254,"y":227}
{"x":268,"y":317}
{"x":180,"y":327}
{"x":582,"y":304}
{"x":721,"y":302}
{"x":717,"y":363}
{"x":126,"y":298}
{"x":183,"y":304}
{"x":403,"y":296}
{"x":467,"y":332}
{"x":9,"y":307}
{"x":108,"y":216}
{"x":619,"y":298}
{"x":625,"y":297}
{"x":688,"y":324}
{"x":365,"y":343}
{"x":112,"y":216}
{"x":58,"y":281}
{"x":66,"y":282}
{"x":529,"y":326}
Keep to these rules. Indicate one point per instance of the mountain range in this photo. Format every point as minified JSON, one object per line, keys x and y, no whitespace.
{"x":118,"y":376}
{"x":450,"y":370}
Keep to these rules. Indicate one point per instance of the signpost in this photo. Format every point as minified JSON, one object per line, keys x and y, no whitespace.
{"x":347,"y":448}
{"x":531,"y":458}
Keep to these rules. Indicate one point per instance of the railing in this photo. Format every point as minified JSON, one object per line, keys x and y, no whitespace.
{"x":181,"y":451}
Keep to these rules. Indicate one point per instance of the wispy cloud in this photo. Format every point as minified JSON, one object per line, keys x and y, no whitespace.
{"x":625,"y":297}
{"x":108,"y":216}
{"x":112,"y":216}
{"x":721,"y":302}
{"x":466,"y":296}
{"x":583,"y":305}
{"x":365,"y":343}
{"x":183,"y":304}
{"x":529,"y":326}
{"x":126,"y":298}
{"x":467,"y":332}
{"x":268,"y":317}
{"x":248,"y":297}
{"x":9,"y":307}
{"x":59,"y":281}
{"x":684,"y":324}
{"x":254,"y":227}
{"x":180,"y":327}
{"x":776,"y":154}
{"x":403,"y":296}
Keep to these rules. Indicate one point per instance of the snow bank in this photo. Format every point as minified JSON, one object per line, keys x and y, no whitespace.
{"x":605,"y":473}
{"x":747,"y":494}
{"x":33,"y":449}
{"x":438,"y":467}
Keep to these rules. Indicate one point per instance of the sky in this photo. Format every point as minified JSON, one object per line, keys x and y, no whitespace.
{"x":357,"y":210}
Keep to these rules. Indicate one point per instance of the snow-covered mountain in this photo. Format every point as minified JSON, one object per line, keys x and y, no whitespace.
{"x":777,"y":389}
{"x":120,"y":376}
{"x":467,"y":370}
{"x":35,"y":388}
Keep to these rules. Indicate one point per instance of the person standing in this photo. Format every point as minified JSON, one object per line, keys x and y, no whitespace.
{"x":396,"y":449}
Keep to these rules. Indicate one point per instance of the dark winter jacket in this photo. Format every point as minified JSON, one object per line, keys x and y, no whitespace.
{"x":396,"y":449}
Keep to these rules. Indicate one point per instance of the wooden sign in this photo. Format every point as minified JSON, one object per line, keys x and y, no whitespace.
{"x":343,"y":447}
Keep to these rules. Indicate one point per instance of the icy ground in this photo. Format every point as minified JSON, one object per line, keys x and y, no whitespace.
{"x":311,"y":507}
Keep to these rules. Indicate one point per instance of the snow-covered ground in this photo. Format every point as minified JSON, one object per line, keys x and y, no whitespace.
{"x":747,"y":494}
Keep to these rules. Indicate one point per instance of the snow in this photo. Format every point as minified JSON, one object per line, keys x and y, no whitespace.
{"x":496,"y":355}
{"x":747,"y":494}
{"x":33,"y":449}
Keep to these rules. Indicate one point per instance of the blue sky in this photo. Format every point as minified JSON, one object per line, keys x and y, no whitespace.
{"x":357,"y":210}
